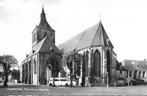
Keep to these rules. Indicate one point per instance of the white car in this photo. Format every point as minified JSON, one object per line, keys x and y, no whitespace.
{"x":61,"y":82}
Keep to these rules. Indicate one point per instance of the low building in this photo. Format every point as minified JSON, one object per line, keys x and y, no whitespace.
{"x":136,"y":69}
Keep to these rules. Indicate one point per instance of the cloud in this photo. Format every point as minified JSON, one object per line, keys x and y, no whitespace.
{"x":25,"y":0}
{"x":48,"y":2}
{"x":9,"y":8}
{"x":1,"y":8}
{"x":3,"y":14}
{"x":52,"y":1}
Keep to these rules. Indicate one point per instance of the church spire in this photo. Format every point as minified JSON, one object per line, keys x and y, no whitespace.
{"x":42,"y":15}
{"x":43,"y":22}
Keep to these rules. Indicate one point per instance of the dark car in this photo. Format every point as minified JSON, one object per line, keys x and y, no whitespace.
{"x":137,"y":81}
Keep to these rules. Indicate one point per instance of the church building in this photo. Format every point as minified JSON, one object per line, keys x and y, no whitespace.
{"x":94,"y":42}
{"x":34,"y":69}
{"x":100,"y":57}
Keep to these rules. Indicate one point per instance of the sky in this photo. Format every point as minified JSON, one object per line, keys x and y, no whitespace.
{"x":125,"y":22}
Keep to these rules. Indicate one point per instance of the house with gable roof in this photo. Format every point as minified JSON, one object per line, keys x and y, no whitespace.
{"x":136,"y":69}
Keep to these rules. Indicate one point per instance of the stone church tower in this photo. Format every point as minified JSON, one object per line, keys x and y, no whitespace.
{"x":42,"y":30}
{"x":34,"y":69}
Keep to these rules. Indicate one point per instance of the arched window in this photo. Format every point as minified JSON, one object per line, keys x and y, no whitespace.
{"x":108,"y":65}
{"x":23,"y":73}
{"x":130,"y":74}
{"x":97,"y":63}
{"x":45,"y":34}
{"x":86,"y":63}
{"x":26,"y":72}
{"x":35,"y":67}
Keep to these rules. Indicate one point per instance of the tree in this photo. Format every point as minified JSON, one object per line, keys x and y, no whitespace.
{"x":74,"y":61}
{"x":15,"y":74}
{"x":54,"y":64}
{"x":7,"y":61}
{"x":1,"y":75}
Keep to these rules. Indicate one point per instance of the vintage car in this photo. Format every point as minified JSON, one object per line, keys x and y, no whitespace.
{"x":60,"y":82}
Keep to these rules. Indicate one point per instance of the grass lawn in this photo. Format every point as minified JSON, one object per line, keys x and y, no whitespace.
{"x":33,"y":90}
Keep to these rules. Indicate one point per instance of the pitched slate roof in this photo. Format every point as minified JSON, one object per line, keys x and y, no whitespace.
{"x":38,"y":46}
{"x":135,"y":64}
{"x":119,"y":66}
{"x":44,"y":46}
{"x":94,"y":36}
{"x":43,"y":22}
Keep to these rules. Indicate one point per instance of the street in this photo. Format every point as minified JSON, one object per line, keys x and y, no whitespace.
{"x":44,"y":90}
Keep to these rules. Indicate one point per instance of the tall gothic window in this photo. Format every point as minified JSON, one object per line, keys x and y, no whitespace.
{"x":23,"y":73}
{"x":35,"y":66}
{"x":26,"y":74}
{"x":29,"y":76}
{"x":97,"y":63}
{"x":108,"y":65}
{"x":87,"y":59}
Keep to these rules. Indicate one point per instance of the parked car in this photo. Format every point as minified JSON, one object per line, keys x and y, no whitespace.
{"x":61,"y":82}
{"x":137,"y":81}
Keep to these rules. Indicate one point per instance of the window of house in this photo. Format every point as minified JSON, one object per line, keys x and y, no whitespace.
{"x":127,"y":74}
{"x":143,"y":75}
{"x":130,"y":74}
{"x":120,"y":72}
{"x":135,"y":74}
{"x":139,"y":74}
